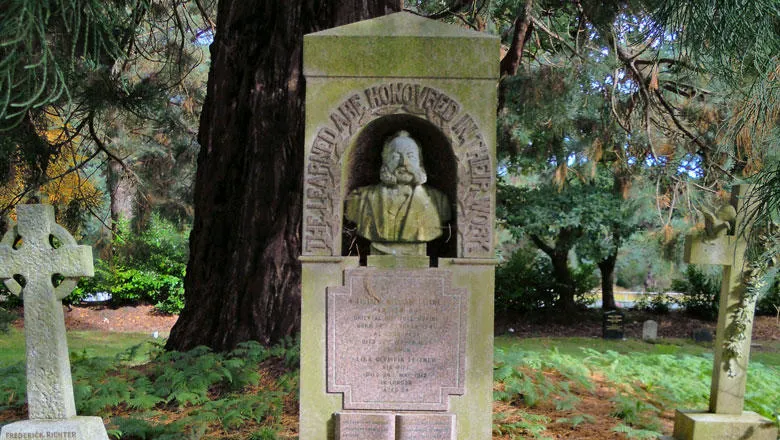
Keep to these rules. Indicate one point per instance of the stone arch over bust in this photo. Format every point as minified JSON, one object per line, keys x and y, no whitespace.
{"x":362,"y":161}
{"x":433,"y":114}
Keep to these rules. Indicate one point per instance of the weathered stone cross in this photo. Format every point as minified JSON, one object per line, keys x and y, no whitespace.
{"x":729,"y":375}
{"x":37,"y":260}
{"x":723,"y":244}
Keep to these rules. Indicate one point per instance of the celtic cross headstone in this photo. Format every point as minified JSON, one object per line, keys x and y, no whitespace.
{"x":39,"y":253}
{"x":723,"y":243}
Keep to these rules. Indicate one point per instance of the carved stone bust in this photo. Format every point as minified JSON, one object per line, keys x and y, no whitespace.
{"x":401,"y":208}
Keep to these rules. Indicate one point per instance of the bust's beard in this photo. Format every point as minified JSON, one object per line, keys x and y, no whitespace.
{"x":388,"y":177}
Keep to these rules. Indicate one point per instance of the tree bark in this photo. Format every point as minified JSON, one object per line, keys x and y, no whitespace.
{"x":122,"y":191}
{"x":607,"y":268}
{"x":559,"y":256}
{"x":521,"y":34}
{"x":243,"y":276}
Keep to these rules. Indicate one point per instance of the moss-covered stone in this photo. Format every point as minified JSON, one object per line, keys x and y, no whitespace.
{"x":689,"y":425}
{"x":364,"y":82}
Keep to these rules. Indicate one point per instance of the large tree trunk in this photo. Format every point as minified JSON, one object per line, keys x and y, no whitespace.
{"x":607,"y":268}
{"x":243,"y":276}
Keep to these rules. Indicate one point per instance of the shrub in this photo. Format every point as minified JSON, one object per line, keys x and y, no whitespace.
{"x":525,"y":282}
{"x":769,"y":303}
{"x":148,"y":267}
{"x":701,"y":292}
{"x":7,"y":317}
{"x":660,"y":303}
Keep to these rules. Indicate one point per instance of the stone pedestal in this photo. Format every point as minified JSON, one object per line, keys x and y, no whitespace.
{"x":74,"y":428}
{"x":689,"y":425}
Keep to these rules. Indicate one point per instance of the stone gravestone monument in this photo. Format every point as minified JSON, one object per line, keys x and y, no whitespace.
{"x":649,"y":330}
{"x":721,"y":244}
{"x":37,"y":249}
{"x":613,"y":325}
{"x":398,"y":212}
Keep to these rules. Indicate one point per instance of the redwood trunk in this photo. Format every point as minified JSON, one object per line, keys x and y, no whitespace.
{"x":243,"y":276}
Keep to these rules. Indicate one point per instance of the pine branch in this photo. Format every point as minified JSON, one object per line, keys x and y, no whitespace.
{"x":205,"y":15}
{"x":670,"y":111}
{"x":102,"y":147}
{"x":538,"y":24}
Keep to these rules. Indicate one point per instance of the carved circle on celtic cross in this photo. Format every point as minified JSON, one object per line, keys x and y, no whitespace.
{"x":15,"y":241}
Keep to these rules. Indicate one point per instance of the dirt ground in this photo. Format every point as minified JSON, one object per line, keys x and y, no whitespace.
{"x":135,"y":319}
{"x":670,"y":325}
{"x":145,"y":319}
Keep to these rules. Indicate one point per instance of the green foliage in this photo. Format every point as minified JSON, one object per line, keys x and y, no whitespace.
{"x":13,"y":389}
{"x":665,"y":377}
{"x":211,"y":385}
{"x":637,"y":433}
{"x":769,"y":304}
{"x":7,"y":317}
{"x":632,"y":410}
{"x":524,"y":283}
{"x":648,"y":261}
{"x":526,"y":424}
{"x":701,"y":292}
{"x":264,"y":434}
{"x":581,"y":213}
{"x":148,"y":267}
{"x":576,"y":420}
{"x":659,"y":303}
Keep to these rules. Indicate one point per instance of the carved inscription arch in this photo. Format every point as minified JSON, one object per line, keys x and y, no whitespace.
{"x":323,"y":193}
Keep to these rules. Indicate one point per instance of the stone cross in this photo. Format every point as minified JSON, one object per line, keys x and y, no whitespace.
{"x":727,"y":392}
{"x":38,"y":249}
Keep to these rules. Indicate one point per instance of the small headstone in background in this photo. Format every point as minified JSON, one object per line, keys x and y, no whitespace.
{"x":613,"y":325}
{"x":702,"y":335}
{"x":650,"y":330}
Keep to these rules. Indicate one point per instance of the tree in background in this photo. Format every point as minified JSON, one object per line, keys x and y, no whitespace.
{"x":111,"y":78}
{"x":623,"y":84}
{"x":585,"y":213}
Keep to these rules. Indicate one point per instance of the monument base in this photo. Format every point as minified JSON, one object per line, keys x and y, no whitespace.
{"x":368,"y":425}
{"x":689,"y":425}
{"x":76,"y":428}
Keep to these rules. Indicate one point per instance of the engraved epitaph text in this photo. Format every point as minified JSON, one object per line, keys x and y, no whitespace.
{"x":396,"y":339}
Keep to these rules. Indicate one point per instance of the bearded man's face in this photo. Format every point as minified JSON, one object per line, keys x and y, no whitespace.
{"x":403,"y":163}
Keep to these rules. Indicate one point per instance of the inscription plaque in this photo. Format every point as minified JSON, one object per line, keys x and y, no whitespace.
{"x":425,"y":427}
{"x":396,"y":339}
{"x":364,"y":426}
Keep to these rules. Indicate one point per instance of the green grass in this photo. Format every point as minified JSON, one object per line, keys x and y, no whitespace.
{"x":768,"y":354}
{"x":89,"y":343}
{"x":223,"y":392}
{"x":672,"y":374}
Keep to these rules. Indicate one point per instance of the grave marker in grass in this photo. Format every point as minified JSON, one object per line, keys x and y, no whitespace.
{"x":42,"y":252}
{"x":723,"y":244}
